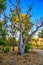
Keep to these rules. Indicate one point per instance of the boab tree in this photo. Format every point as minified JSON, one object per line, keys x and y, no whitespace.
{"x":23,"y":28}
{"x":22,"y":23}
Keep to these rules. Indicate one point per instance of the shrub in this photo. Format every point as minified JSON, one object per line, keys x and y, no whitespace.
{"x":6,"y":49}
{"x":27,"y":47}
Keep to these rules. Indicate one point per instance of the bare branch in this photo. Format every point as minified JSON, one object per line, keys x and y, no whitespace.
{"x":12,"y":3}
{"x":5,"y":16}
{"x":36,"y":29}
{"x":33,"y":33}
{"x":29,"y":8}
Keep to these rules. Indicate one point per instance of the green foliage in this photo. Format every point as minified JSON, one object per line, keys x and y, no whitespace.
{"x":5,"y":45}
{"x":27,"y":47}
{"x":6,"y":49}
{"x":4,"y":32}
{"x":2,"y":4}
{"x":40,"y":35}
{"x":1,"y":41}
{"x":4,"y":42}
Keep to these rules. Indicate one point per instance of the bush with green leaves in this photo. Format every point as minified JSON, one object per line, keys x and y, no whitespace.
{"x":27,"y":47}
{"x":1,"y":41}
{"x":6,"y":49}
{"x":5,"y":45}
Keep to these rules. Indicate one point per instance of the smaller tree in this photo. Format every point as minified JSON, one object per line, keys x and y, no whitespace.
{"x":3,"y":41}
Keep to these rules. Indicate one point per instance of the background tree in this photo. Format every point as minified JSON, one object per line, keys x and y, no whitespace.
{"x":2,"y":5}
{"x":3,"y":41}
{"x":3,"y":27}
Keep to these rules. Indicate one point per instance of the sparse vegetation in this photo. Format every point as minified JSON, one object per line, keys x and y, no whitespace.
{"x":27,"y":47}
{"x":17,"y":29}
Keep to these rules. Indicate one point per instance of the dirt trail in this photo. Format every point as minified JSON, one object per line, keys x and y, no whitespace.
{"x":40,"y":52}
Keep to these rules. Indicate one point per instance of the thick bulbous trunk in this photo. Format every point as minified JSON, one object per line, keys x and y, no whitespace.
{"x":21,"y":48}
{"x":21,"y":45}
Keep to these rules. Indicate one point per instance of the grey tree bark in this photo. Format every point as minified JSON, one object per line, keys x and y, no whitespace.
{"x":21,"y":44}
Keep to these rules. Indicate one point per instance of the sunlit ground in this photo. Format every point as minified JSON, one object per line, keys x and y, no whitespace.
{"x":31,"y":58}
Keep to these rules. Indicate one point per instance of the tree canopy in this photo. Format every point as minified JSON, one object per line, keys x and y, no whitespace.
{"x":2,"y":5}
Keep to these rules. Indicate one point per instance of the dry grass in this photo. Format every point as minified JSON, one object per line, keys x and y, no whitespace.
{"x":11,"y":58}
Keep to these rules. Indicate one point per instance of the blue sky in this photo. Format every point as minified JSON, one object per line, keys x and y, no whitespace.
{"x":37,"y":10}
